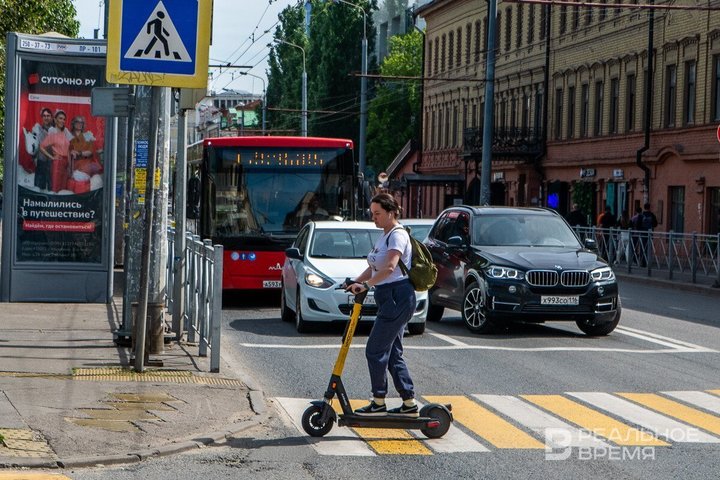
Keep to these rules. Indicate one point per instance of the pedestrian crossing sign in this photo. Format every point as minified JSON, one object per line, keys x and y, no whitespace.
{"x":159,"y":42}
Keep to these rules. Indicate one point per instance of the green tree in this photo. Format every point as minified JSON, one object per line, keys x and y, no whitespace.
{"x":394,"y":115}
{"x":33,"y":18}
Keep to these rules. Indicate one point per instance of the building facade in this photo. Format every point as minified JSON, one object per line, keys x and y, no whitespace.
{"x":570,"y":113}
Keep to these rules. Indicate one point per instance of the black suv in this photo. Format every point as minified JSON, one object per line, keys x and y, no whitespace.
{"x":499,"y":264}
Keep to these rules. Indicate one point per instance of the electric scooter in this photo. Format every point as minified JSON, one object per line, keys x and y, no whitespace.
{"x":317,"y":420}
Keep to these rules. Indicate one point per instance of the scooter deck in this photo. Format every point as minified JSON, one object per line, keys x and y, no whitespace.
{"x":385,"y":421}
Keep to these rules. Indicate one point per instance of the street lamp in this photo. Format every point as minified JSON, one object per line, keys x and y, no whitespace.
{"x":363,"y":85}
{"x":304,"y":86}
{"x":264,"y":108}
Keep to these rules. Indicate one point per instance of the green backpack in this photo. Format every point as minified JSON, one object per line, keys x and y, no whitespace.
{"x":423,"y":271}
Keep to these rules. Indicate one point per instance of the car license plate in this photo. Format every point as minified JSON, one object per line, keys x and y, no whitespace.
{"x":559,"y":300}
{"x":369,"y":300}
{"x":271,"y":283}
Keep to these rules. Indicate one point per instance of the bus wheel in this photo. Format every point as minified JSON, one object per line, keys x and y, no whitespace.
{"x":286,"y":314}
{"x":301,"y":325}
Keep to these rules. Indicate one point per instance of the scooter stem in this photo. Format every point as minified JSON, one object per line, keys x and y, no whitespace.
{"x":349,"y":333}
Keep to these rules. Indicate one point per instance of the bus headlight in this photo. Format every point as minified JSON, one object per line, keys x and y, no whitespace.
{"x":316,"y":280}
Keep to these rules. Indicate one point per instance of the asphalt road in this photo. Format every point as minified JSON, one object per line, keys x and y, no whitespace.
{"x":647,"y":392}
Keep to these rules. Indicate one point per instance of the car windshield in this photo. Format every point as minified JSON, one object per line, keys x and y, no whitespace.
{"x":420,"y":231}
{"x":339,"y":243}
{"x":529,"y":230}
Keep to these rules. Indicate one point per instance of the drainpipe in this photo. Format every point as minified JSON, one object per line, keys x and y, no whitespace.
{"x":422,"y":102}
{"x":537,"y":161}
{"x":648,"y":103}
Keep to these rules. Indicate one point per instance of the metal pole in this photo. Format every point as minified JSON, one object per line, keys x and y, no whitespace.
{"x":147,"y":234}
{"x":180,"y":206}
{"x":363,"y":101}
{"x":304,"y":99}
{"x":489,"y":105}
{"x":128,"y":260}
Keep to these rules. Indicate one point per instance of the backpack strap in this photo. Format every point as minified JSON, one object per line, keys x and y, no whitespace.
{"x":404,"y":268}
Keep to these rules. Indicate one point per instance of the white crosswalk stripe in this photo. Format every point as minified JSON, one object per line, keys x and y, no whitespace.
{"x":554,"y":431}
{"x":666,"y":427}
{"x":545,"y":424}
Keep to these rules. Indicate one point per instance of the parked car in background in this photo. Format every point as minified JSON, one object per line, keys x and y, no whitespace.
{"x":322,"y":256}
{"x":419,"y":227}
{"x":500,"y":264}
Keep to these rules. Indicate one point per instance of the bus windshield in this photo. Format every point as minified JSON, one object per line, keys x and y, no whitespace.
{"x":275,"y":191}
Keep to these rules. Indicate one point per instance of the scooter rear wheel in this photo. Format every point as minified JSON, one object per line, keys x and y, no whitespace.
{"x":312,"y":422}
{"x":441,"y":415}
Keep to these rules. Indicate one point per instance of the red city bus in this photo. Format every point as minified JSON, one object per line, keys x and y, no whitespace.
{"x":255,"y":193}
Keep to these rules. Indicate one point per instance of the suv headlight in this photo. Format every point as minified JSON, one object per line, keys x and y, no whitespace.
{"x":494,"y":271}
{"x":604,"y":274}
{"x":318,"y":281}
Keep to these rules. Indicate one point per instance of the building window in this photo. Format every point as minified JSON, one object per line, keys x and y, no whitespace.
{"x":485,"y":35}
{"x":617,"y":9}
{"x":519,"y":25}
{"x":670,"y":95}
{"x":630,"y":99}
{"x":446,"y":139}
{"x":453,"y":139}
{"x":503,"y":115}
{"x":508,"y":28}
{"x":531,"y":25}
{"x":464,"y":120}
{"x":602,"y":14}
{"x":614,"y":104}
{"x":525,"y":117}
{"x":599,"y":94}
{"x":481,"y":115}
{"x":571,"y":112}
{"x":458,"y":58}
{"x":588,"y":14}
{"x":677,"y":209}
{"x":468,"y":42}
{"x":451,"y":50}
{"x":576,"y":17}
{"x":478,"y":36}
{"x":543,"y":21}
{"x":563,"y":19}
{"x":513,"y":113}
{"x":584,"y":110}
{"x":434,"y":133}
{"x":714,"y":211}
{"x":689,"y":97}
{"x":473,"y":112}
{"x":437,"y":57}
{"x":498,"y":24}
{"x":558,"y":113}
{"x":429,"y":56}
{"x":442,"y":53}
{"x":716,"y":88}
{"x":538,"y":111}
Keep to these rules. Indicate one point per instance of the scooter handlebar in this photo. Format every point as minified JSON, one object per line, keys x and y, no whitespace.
{"x":359,"y":297}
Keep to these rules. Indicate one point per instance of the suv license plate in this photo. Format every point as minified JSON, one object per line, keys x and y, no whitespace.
{"x":369,"y":300}
{"x":271,"y":283}
{"x":559,"y":300}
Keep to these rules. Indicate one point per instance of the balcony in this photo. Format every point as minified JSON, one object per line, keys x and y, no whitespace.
{"x":509,"y":143}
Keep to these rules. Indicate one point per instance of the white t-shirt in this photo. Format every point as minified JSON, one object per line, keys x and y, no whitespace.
{"x":397,"y":239}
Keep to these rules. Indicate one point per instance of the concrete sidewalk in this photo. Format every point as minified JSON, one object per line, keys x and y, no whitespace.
{"x":68,"y":397}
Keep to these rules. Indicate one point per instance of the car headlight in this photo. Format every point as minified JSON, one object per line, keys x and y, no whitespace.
{"x":494,"y":271}
{"x":604,"y":274}
{"x":318,"y":281}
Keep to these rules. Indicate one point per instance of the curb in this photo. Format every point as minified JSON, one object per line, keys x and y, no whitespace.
{"x":212,"y":438}
{"x":674,"y":284}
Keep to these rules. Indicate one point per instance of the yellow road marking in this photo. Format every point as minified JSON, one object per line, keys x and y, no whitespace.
{"x":32,"y":476}
{"x":489,"y":426}
{"x":594,"y":421}
{"x":716,"y":392}
{"x":386,"y":441}
{"x":677,"y":410}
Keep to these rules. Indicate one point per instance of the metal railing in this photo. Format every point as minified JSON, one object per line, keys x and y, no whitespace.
{"x":683,"y":256}
{"x":202,"y":298}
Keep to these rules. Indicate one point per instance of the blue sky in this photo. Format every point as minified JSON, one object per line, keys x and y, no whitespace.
{"x":235,"y":22}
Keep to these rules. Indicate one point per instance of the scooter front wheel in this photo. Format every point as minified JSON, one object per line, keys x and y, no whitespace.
{"x":439,"y":413}
{"x":313,"y":424}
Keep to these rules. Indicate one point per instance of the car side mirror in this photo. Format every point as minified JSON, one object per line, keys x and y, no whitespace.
{"x":456,"y":241}
{"x":293,"y":253}
{"x":591,"y":244}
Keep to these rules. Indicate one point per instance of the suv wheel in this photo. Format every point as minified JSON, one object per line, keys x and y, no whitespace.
{"x":434,"y":312}
{"x":600,"y":329}
{"x":474,"y":310}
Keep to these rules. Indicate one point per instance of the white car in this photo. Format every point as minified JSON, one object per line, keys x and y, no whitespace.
{"x":323,"y":255}
{"x":419,"y":227}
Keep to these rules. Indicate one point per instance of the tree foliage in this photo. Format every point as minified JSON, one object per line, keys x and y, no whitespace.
{"x":333,"y":53}
{"x":394,"y":116}
{"x":32,"y":18}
